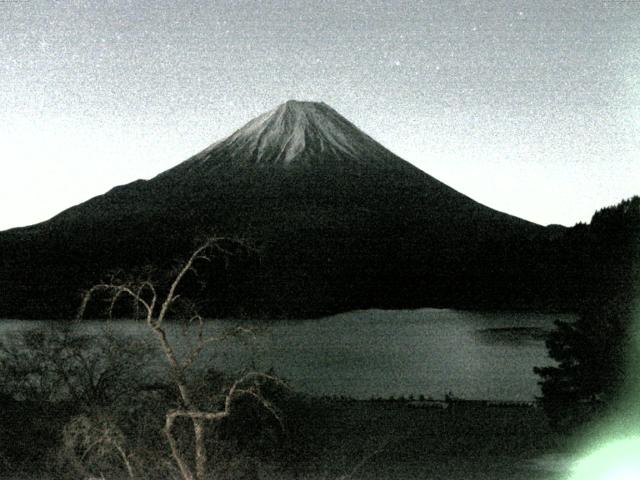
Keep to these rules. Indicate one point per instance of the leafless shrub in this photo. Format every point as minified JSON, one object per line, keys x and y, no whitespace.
{"x":58,"y":363}
{"x":94,"y":445}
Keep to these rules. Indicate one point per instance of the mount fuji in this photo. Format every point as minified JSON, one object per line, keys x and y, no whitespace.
{"x":341,"y":223}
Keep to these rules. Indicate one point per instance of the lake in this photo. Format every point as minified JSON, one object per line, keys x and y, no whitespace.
{"x":383,"y":353}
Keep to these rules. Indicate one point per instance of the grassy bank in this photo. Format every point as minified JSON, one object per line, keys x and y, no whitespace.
{"x":330,"y":439}
{"x":396,"y":440}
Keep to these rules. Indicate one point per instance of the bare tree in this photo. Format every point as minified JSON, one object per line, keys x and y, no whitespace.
{"x":155,"y":305}
{"x":57,"y":363}
{"x":85,"y":438}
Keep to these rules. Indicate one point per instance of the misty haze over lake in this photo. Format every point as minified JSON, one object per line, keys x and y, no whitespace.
{"x":377,"y":353}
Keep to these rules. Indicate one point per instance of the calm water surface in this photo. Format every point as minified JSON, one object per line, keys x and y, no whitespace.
{"x":382,"y":353}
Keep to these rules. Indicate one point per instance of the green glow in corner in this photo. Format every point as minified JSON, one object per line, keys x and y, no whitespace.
{"x":618,"y":460}
{"x":613,"y":451}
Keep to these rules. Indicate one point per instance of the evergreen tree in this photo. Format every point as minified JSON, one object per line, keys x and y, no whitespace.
{"x":592,"y":353}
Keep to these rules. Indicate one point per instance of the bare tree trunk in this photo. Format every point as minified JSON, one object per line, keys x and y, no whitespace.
{"x":185,"y":471}
{"x":125,"y":460}
{"x":200,"y":448}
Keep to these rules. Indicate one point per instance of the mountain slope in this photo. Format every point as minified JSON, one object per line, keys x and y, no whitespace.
{"x":341,"y":221}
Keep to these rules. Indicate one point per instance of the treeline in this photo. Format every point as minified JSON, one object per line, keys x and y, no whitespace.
{"x":597,"y":354}
{"x":301,"y":273}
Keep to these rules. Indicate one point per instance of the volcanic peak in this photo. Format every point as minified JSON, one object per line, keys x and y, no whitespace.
{"x":295,"y":132}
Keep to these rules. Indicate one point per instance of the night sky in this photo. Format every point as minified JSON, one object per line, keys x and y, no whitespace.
{"x":530,"y":107}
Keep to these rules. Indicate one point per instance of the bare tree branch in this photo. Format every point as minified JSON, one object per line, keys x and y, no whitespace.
{"x":366,"y":459}
{"x":145,"y":294}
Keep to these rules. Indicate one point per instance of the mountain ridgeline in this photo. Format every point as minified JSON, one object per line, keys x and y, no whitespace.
{"x":339,"y":223}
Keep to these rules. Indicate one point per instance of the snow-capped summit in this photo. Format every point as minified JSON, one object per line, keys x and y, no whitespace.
{"x":301,"y":133}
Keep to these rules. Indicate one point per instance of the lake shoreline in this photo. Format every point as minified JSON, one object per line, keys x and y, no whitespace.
{"x":374,"y":353}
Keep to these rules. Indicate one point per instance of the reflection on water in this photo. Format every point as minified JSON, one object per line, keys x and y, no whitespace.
{"x":512,"y":335}
{"x":383,"y":353}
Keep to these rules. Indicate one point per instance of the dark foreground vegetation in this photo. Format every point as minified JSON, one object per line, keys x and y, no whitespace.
{"x":77,"y":406}
{"x":83,"y":416}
